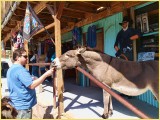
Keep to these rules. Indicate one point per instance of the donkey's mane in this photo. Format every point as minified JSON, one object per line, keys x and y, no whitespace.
{"x":93,"y":49}
{"x":117,"y":59}
{"x":88,"y":49}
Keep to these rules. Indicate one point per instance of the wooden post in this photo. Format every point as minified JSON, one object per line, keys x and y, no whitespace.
{"x":54,"y":89}
{"x":60,"y":84}
{"x":59,"y":72}
{"x":134,"y":41}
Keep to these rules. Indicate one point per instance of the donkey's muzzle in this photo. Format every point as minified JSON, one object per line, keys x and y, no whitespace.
{"x":53,"y":64}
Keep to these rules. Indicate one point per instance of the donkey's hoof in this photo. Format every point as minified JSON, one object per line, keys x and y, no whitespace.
{"x":110,"y":113}
{"x":104,"y":116}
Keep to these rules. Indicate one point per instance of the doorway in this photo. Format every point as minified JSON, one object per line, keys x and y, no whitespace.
{"x":99,"y":45}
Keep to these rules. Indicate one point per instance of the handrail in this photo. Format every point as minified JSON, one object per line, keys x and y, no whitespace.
{"x":39,"y":64}
{"x":103,"y":86}
{"x":115,"y":95}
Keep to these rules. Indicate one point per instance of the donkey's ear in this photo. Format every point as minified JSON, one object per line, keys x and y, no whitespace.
{"x":81,"y":50}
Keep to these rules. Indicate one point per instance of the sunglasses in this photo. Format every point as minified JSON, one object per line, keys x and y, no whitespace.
{"x":25,"y":56}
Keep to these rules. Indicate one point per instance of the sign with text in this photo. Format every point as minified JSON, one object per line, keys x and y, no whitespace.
{"x":144,"y":56}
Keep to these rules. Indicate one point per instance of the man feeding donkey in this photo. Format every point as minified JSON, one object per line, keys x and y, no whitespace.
{"x":128,"y":77}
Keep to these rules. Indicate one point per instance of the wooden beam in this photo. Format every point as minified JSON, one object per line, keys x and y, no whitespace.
{"x":42,"y":5}
{"x":47,"y":27}
{"x":19,"y":8}
{"x":60,"y":10}
{"x":82,"y":5}
{"x":93,"y":4}
{"x":6,"y":28}
{"x":81,"y":9}
{"x":78,"y":10}
{"x":65,"y":19}
{"x":132,"y":15}
{"x":12,"y":22}
{"x":99,"y":3}
{"x":7,"y":37}
{"x":59,"y":72}
{"x":73,"y":14}
{"x":10,"y":25}
{"x":47,"y":37}
{"x":17,"y":18}
{"x":128,"y":4}
{"x":19,"y":12}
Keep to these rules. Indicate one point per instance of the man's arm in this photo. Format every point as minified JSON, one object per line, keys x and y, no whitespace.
{"x":136,"y":34}
{"x":117,"y":42}
{"x":118,"y":51}
{"x":116,"y":48}
{"x":134,"y":37}
{"x":41,"y":79}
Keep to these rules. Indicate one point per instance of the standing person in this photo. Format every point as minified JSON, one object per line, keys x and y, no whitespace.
{"x":22,"y":86}
{"x":124,"y":39}
{"x":35,"y":59}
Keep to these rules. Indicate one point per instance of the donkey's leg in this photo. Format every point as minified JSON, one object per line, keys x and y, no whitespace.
{"x":108,"y":108}
{"x":155,"y":89}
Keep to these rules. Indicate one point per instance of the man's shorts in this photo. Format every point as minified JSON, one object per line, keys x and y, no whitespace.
{"x":24,"y":114}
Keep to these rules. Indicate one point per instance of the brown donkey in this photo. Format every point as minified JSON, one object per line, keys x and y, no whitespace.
{"x":128,"y":77}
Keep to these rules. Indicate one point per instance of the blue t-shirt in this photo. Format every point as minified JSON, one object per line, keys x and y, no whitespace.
{"x":19,"y":80}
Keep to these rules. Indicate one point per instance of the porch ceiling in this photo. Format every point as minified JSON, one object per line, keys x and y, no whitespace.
{"x":74,"y":13}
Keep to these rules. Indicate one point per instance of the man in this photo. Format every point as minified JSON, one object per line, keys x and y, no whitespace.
{"x":21,"y":85}
{"x":124,"y":40}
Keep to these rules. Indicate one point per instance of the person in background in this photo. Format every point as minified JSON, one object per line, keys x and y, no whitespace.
{"x":21,"y":85}
{"x":35,"y":59}
{"x":14,"y":41}
{"x":124,"y":39}
{"x":123,"y":43}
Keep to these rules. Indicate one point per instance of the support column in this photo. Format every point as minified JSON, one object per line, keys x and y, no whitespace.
{"x":134,"y":41}
{"x":60,"y":83}
{"x":59,"y":72}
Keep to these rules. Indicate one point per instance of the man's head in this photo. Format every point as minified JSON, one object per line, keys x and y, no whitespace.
{"x":125,"y":22}
{"x":20,"y":56}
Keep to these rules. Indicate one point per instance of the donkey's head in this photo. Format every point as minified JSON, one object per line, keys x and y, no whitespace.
{"x":68,"y":60}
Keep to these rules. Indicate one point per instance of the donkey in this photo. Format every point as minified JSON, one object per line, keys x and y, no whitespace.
{"x":128,"y":77}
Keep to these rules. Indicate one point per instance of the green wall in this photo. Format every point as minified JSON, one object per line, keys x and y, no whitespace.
{"x":111,"y":27}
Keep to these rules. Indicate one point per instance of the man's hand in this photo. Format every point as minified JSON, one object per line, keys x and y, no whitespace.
{"x":49,"y":72}
{"x":118,"y":53}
